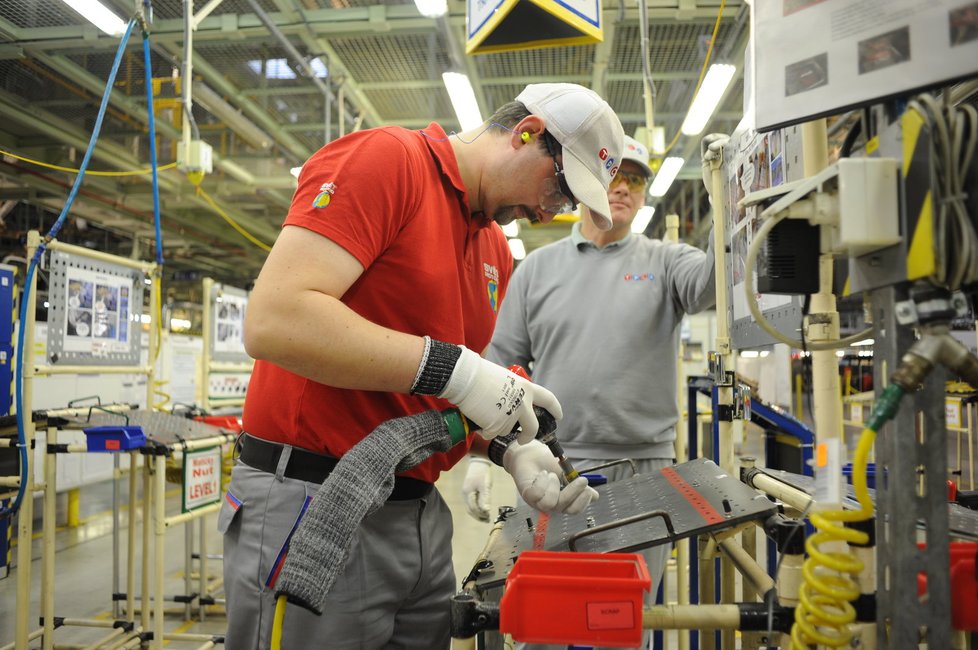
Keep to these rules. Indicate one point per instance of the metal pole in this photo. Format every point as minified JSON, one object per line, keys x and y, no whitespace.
{"x":131,"y":539}
{"x":158,"y":502}
{"x":49,"y":525}
{"x":25,"y":518}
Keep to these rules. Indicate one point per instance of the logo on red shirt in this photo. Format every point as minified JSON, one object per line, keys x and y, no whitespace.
{"x":325,"y":193}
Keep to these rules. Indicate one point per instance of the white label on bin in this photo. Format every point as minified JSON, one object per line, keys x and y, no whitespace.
{"x":610,"y":616}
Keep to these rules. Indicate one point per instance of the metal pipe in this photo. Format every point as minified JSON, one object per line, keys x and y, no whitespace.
{"x":30,"y":637}
{"x":145,"y":267}
{"x":791,"y":496}
{"x":747,"y":566}
{"x":47,"y":535}
{"x":102,"y":370}
{"x":116,"y":523}
{"x":144,"y":596}
{"x":188,"y":552}
{"x":25,"y":518}
{"x":105,"y":639}
{"x":193,"y":514}
{"x":274,"y":30}
{"x":206,"y":352}
{"x":203,"y":588}
{"x":159,"y":525}
{"x":691,"y":617}
{"x":134,"y":457}
{"x":707,"y":591}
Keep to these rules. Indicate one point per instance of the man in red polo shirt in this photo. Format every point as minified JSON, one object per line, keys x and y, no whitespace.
{"x":375,"y":302}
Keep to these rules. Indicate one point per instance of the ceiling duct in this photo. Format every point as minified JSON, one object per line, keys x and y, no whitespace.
{"x":232,"y":117}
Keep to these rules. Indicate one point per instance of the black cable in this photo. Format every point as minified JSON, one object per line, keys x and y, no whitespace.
{"x":850,"y":140}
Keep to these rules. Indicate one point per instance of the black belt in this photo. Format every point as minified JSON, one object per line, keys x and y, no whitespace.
{"x":314,"y":468}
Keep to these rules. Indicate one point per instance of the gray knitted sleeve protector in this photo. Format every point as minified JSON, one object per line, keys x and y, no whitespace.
{"x":360,"y":483}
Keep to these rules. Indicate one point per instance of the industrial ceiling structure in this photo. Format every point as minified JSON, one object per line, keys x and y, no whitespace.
{"x":273,"y":80}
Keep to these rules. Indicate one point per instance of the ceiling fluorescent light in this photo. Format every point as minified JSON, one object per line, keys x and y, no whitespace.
{"x":705,"y":103}
{"x":666,"y":175}
{"x":642,"y":219}
{"x":511,"y":229}
{"x":463,"y":99}
{"x":99,"y":15}
{"x":432,"y":8}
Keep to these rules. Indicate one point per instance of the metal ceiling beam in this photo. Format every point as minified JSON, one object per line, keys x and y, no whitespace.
{"x":49,"y":194}
{"x":137,"y":110}
{"x":338,"y":72}
{"x":9,"y":31}
{"x":352,"y":21}
{"x":110,"y":153}
{"x":626,"y":118}
{"x":240,"y":99}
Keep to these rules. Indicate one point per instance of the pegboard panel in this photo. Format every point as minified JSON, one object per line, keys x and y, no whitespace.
{"x":228,"y":305}
{"x":94,"y":312}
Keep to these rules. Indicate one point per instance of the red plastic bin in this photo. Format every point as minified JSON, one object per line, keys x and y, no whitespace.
{"x":230,"y":422}
{"x":575,"y":598}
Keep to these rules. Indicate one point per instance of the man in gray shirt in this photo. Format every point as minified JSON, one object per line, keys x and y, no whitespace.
{"x":596,"y":318}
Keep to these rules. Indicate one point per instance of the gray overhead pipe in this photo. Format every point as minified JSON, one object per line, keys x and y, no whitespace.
{"x":300,"y":61}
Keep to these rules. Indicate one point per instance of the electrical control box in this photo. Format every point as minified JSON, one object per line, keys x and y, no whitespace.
{"x":869,"y":206}
{"x":195,"y":156}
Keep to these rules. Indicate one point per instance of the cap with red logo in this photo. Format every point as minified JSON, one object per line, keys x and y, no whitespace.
{"x":590,"y":136}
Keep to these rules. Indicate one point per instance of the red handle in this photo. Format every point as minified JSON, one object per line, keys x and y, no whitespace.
{"x":519,"y":370}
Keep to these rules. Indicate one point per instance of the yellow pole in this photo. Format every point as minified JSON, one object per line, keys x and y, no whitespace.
{"x":74,"y":501}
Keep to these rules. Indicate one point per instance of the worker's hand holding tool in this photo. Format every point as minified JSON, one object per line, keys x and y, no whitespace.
{"x":496,"y":399}
{"x":535,"y":472}
{"x":476,"y":487}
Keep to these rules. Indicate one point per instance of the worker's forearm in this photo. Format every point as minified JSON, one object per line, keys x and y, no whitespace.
{"x":317,"y":336}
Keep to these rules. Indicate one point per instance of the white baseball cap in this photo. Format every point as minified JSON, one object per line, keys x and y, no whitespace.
{"x":638,"y":153}
{"x":590,"y":136}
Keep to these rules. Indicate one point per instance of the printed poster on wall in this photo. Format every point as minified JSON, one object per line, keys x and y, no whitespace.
{"x":229,"y":313}
{"x":817,"y":57}
{"x":97,"y":318}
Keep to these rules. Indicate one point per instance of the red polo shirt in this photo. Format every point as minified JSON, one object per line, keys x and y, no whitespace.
{"x":394,"y":199}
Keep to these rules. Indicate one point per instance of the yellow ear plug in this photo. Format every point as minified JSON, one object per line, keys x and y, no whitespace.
{"x":525,"y":136}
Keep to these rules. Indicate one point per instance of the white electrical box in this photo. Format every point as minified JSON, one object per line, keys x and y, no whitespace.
{"x":869,"y":204}
{"x":195,"y":156}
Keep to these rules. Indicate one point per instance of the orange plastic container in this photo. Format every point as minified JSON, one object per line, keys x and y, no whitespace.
{"x":575,"y":598}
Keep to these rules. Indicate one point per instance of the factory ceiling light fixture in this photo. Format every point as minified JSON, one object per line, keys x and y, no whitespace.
{"x":432,"y":8}
{"x":665,"y":176}
{"x":463,"y":99}
{"x":718,"y":77}
{"x":99,"y":15}
{"x":642,"y":219}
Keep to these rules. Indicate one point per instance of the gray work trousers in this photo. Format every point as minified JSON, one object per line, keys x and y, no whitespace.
{"x":394,"y":592}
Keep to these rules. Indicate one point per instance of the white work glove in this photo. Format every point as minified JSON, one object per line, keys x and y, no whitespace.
{"x":535,"y":472}
{"x":476,"y":486}
{"x":495,"y":398}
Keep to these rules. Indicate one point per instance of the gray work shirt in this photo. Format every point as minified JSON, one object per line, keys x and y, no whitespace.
{"x":600,"y":328}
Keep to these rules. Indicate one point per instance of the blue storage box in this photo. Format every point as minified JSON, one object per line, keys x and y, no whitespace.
{"x":870,"y":474}
{"x":115,"y":438}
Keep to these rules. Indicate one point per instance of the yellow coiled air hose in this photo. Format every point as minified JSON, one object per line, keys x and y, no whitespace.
{"x":825,"y":609}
